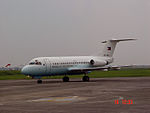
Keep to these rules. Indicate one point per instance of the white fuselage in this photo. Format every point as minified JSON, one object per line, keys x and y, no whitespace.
{"x":47,"y":66}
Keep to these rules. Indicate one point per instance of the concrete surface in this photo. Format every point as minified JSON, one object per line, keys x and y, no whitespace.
{"x":96,"y":96}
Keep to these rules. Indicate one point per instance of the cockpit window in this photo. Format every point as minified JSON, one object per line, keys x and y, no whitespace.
{"x":31,"y":63}
{"x":35,"y":63}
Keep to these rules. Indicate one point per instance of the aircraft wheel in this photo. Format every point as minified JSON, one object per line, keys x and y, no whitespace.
{"x":85,"y":79}
{"x":65,"y":79}
{"x":39,"y":81}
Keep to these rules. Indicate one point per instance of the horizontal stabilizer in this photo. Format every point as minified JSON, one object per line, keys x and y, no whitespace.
{"x":118,"y":40}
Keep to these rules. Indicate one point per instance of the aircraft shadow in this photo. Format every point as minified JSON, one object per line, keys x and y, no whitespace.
{"x":95,"y":80}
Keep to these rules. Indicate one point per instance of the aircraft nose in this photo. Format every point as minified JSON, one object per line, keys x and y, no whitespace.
{"x":25,"y":70}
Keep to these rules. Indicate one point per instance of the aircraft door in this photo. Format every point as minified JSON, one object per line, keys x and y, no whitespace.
{"x":47,"y":66}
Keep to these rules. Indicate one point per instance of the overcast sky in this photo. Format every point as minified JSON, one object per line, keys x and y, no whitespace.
{"x":34,"y":28}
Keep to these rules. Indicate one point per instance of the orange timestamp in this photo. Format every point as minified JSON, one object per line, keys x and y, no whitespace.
{"x":123,"y":101}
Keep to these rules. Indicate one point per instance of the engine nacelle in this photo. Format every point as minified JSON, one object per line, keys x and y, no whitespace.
{"x":98,"y":62}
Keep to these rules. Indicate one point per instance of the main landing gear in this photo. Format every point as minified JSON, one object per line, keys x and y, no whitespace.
{"x":65,"y":79}
{"x":39,"y":81}
{"x":85,"y":78}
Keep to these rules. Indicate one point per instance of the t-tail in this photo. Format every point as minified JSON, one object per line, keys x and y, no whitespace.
{"x":110,"y":46}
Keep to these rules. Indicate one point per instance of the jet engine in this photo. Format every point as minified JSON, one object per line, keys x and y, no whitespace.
{"x":98,"y":62}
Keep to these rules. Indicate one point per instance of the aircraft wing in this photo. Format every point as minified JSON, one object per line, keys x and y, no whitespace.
{"x":78,"y":70}
{"x":118,"y":67}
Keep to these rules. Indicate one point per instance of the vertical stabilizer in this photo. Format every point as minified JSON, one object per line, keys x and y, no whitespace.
{"x":110,"y":45}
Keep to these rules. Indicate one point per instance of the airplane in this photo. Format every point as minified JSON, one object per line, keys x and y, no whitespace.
{"x":71,"y":65}
{"x":8,"y":65}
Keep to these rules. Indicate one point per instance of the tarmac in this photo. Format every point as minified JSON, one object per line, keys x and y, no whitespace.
{"x":100,"y":95}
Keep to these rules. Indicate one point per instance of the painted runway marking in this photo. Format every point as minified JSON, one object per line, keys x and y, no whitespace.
{"x":59,"y":99}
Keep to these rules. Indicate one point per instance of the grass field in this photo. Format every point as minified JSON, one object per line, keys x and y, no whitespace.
{"x":12,"y":75}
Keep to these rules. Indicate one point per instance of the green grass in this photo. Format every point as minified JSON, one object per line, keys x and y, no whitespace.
{"x":13,"y":75}
{"x":122,"y":73}
{"x":117,"y":73}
